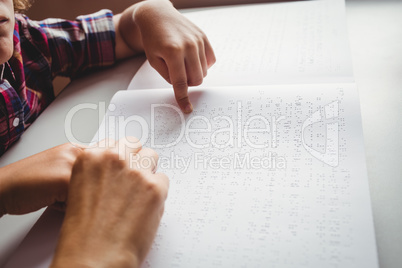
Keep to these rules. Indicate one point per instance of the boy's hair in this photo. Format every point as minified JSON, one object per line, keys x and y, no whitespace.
{"x":21,"y":5}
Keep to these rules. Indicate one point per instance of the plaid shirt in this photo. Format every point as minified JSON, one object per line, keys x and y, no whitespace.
{"x":43,"y":50}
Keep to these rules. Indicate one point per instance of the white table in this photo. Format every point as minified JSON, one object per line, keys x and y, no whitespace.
{"x":376,"y":44}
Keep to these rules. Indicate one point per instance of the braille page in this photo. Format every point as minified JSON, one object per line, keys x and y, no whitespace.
{"x":274,"y":43}
{"x":270,"y":176}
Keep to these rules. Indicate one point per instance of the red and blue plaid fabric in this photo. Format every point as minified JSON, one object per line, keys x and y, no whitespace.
{"x":42,"y":51}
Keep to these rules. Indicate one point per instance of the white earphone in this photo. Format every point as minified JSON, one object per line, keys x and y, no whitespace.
{"x":2,"y":72}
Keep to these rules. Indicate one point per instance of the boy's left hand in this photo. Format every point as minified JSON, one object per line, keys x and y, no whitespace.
{"x":174,"y":46}
{"x":37,"y":181}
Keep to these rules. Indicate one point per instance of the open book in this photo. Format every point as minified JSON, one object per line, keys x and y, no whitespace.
{"x":269,"y":170}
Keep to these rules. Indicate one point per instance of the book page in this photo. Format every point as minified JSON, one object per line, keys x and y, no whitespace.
{"x":269,"y":176}
{"x":274,"y":43}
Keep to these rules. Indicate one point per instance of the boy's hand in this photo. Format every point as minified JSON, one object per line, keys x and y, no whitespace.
{"x":174,"y":46}
{"x":114,"y":207}
{"x":37,"y":181}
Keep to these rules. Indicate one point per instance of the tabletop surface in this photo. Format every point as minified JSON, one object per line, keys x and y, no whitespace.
{"x":376,"y":45}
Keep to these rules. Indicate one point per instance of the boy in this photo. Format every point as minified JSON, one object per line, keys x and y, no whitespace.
{"x":31,"y":55}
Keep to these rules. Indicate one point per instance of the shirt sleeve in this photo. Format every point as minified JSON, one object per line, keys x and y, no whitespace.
{"x":76,"y":46}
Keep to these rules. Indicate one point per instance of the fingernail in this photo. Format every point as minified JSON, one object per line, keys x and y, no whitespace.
{"x":188,"y":109}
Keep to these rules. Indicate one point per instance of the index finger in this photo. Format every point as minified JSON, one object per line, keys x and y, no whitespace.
{"x":178,"y":76}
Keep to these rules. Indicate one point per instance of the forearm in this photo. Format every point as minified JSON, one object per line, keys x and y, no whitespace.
{"x":6,"y":178}
{"x":205,"y":3}
{"x":2,"y":193}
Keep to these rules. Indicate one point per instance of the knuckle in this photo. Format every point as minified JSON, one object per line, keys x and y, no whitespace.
{"x":154,"y":192}
{"x":180,"y":84}
{"x":86,"y":155}
{"x":173,"y":48}
{"x":200,"y":42}
{"x":85,"y":159}
{"x":191,"y":44}
{"x":76,"y":150}
{"x":109,"y":154}
{"x":112,"y":158}
{"x":137,"y":174}
{"x":150,"y":187}
{"x":197,"y":81}
{"x":69,"y":152}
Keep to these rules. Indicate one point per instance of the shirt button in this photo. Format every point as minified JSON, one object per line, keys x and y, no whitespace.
{"x":16,"y":122}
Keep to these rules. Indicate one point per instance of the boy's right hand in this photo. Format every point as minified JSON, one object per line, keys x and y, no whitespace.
{"x":114,"y":207}
{"x":174,"y":46}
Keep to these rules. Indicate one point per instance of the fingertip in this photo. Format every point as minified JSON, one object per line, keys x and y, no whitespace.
{"x":188,"y":108}
{"x":211,"y":62}
{"x":185,"y":105}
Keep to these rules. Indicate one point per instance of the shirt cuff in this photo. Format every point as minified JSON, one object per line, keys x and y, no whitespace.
{"x":100,"y":31}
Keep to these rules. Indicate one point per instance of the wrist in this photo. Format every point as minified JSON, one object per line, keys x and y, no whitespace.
{"x":128,"y":32}
{"x":96,"y":260}
{"x":78,"y":247}
{"x":145,"y":9}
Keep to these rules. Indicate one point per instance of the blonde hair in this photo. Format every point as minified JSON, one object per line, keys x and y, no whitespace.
{"x":21,"y":5}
